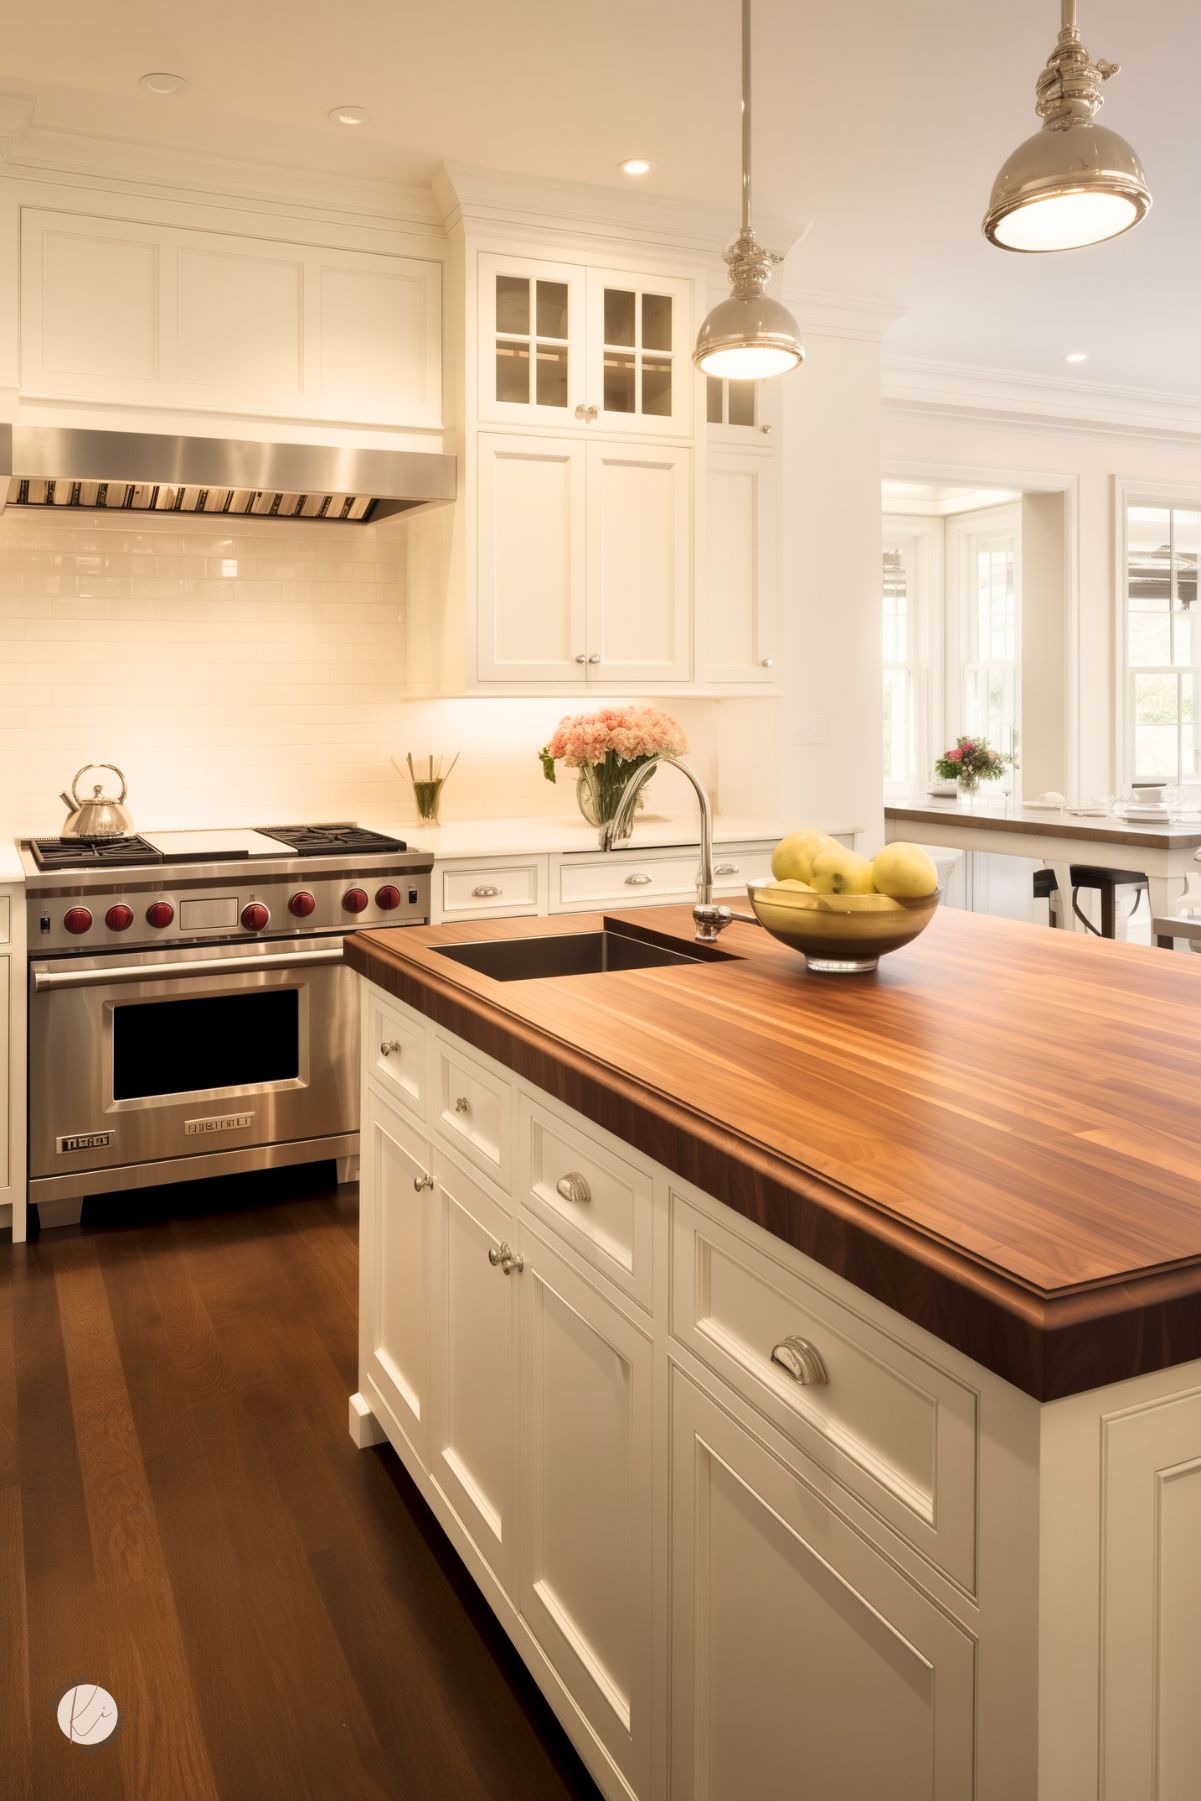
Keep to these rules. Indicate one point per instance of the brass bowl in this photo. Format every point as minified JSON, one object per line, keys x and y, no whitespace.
{"x":840,"y":934}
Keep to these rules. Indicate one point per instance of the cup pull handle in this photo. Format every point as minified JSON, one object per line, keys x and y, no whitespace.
{"x":573,"y":1187}
{"x":637,"y":881}
{"x":726,"y":869}
{"x":485,"y":891}
{"x":801,"y":1360}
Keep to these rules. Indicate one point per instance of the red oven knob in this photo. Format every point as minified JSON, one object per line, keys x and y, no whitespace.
{"x":354,"y":900}
{"x":302,"y":904}
{"x":77,"y":920}
{"x":119,"y":918}
{"x":387,"y":898}
{"x":255,"y":916}
{"x":160,"y":914}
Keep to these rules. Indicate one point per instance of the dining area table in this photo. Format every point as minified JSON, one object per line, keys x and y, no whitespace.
{"x":1164,"y":850}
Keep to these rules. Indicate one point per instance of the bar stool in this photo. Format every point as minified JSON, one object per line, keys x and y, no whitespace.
{"x":1104,"y":881}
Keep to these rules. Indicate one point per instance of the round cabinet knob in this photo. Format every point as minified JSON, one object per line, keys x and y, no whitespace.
{"x":119,"y":918}
{"x":77,"y":920}
{"x":255,"y":916}
{"x":354,"y":900}
{"x":387,"y":898}
{"x":302,"y":904}
{"x":160,"y":914}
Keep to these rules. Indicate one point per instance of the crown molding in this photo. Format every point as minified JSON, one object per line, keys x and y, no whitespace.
{"x":41,"y":153}
{"x":841,"y":315}
{"x":912,"y":386}
{"x":478,"y":199}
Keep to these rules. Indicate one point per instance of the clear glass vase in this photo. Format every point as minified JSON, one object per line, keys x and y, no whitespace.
{"x":967,"y":791}
{"x":600,"y":786}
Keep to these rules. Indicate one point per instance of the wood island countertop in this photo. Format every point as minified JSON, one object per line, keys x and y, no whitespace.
{"x":998,"y":1133}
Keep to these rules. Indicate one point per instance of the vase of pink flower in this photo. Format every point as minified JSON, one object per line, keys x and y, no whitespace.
{"x":605,"y":749}
{"x":969,"y":762}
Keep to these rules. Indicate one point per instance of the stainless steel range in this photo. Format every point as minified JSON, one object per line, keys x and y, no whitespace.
{"x":189,"y":1010}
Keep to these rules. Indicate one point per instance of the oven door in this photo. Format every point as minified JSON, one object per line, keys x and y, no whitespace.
{"x":166,"y":1054}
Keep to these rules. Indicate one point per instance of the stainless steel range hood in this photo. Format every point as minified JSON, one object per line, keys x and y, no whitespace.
{"x":145,"y":472}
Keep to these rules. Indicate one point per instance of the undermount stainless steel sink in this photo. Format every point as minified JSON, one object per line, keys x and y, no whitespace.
{"x":569,"y":954}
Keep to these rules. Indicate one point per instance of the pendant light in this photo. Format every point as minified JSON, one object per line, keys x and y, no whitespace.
{"x":1074,"y":182}
{"x":748,"y":336}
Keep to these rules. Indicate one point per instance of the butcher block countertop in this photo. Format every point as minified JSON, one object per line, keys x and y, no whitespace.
{"x":998,"y":1133}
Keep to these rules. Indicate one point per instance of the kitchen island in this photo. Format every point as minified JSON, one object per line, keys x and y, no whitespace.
{"x":782,"y":1351}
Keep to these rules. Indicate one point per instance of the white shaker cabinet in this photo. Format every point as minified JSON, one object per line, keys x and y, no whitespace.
{"x":12,"y":1061}
{"x":583,"y":559}
{"x":586,"y":1540}
{"x":739,"y":574}
{"x":804,"y":1662}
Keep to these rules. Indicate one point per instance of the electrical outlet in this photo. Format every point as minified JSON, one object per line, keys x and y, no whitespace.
{"x":810,"y":728}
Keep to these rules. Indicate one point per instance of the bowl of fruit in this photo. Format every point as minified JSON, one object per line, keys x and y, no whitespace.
{"x":843,"y":911}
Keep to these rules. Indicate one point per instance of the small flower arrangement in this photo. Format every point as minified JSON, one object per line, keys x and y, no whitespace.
{"x":971,"y":761}
{"x":606,"y":748}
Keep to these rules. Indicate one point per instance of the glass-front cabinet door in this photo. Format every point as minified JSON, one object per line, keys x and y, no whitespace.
{"x":740,"y":412}
{"x":639,"y":353}
{"x":531,"y":341}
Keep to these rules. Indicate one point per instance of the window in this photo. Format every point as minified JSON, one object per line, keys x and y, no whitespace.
{"x":1162,"y":643}
{"x":911,"y":574}
{"x":988,"y":613}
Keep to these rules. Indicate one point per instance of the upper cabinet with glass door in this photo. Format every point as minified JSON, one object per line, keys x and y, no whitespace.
{"x":741,"y":412}
{"x":588,"y":349}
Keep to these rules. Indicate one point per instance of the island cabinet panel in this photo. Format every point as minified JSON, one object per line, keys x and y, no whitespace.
{"x":394,"y":1051}
{"x":586,"y":1499}
{"x":473,"y":1103}
{"x":473,"y":1424}
{"x":396,"y":1251}
{"x":897,"y":1430}
{"x":599,"y":1202}
{"x":125,"y":311}
{"x":1151,"y":1600}
{"x":804,"y":1663}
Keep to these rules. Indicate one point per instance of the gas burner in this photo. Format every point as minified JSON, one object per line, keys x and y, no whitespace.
{"x":77,"y":853}
{"x":327,"y":840}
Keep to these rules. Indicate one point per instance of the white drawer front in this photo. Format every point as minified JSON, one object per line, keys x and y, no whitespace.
{"x":894,"y":1429}
{"x":601,"y":1203}
{"x":394,"y":1050}
{"x":474,"y":1110}
{"x":484,"y":893}
{"x":627,"y":879}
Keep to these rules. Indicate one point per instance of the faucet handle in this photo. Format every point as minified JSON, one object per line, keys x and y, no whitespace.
{"x":710,"y":920}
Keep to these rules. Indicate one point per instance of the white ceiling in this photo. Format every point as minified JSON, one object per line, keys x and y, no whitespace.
{"x":882,"y":122}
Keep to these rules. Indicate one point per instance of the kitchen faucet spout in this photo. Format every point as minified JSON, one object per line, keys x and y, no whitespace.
{"x":709,"y":919}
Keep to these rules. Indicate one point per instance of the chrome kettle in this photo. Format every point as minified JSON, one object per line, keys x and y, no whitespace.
{"x":98,"y":817}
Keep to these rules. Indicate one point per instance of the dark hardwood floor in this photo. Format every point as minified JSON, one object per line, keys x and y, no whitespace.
{"x":183,"y":1519}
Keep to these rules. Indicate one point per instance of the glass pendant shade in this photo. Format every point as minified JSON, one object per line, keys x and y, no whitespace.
{"x":1063,"y":189}
{"x":1074,"y":182}
{"x":747,"y":339}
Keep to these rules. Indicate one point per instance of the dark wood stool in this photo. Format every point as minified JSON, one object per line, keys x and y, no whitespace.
{"x":1105,"y":881}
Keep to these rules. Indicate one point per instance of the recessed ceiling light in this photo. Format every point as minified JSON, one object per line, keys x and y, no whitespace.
{"x":350,"y":115}
{"x":635,"y":165}
{"x":1076,"y":356}
{"x":159,"y":82}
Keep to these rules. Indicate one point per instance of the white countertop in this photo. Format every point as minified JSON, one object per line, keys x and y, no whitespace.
{"x":529,"y":837}
{"x":11,"y":872}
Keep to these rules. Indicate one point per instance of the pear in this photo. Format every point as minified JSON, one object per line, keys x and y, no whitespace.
{"x":792,"y":859}
{"x":905,"y":871}
{"x":842,"y":871}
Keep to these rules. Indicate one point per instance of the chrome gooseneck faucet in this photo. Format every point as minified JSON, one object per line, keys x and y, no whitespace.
{"x":710,"y":919}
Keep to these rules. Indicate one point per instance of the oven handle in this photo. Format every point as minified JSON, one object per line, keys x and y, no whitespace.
{"x":162,"y":972}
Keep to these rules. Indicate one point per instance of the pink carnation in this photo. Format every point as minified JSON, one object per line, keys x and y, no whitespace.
{"x":629,"y":732}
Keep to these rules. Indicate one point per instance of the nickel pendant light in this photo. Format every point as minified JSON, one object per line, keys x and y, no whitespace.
{"x":748,"y":336}
{"x":1074,"y":182}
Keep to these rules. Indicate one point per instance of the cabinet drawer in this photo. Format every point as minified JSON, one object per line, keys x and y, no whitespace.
{"x":474,"y":1109}
{"x":896,"y":1430}
{"x":600,"y":1202}
{"x":625,"y":878}
{"x":394,"y":1050}
{"x":482,"y":893}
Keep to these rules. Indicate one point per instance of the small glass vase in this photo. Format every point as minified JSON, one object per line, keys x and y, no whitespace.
{"x":967,"y":791}
{"x":600,"y":786}
{"x":428,"y":798}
